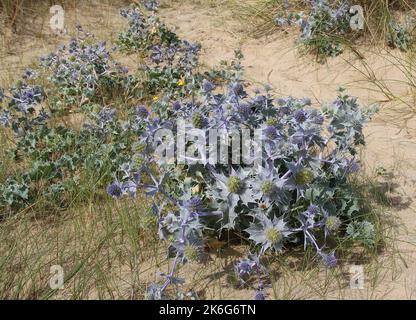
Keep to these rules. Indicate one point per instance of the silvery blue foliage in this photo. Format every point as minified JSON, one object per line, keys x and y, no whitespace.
{"x":151,"y":5}
{"x":80,"y":69}
{"x":171,"y":62}
{"x":293,"y":190}
{"x":321,"y":28}
{"x":297,"y":189}
{"x":400,"y":35}
{"x":144,"y":29}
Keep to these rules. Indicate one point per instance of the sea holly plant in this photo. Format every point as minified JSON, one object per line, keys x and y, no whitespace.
{"x":170,"y":63}
{"x":83,"y":71}
{"x":145,"y":30}
{"x":400,"y":35}
{"x":327,"y":26}
{"x":83,"y":78}
{"x":323,"y":28}
{"x":286,"y":183}
{"x":54,"y":156}
{"x":214,"y":157}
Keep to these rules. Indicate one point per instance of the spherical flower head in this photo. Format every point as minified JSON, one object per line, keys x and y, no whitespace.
{"x":139,"y":147}
{"x":176,"y":105}
{"x":273,"y":235}
{"x":300,"y":116}
{"x":198,"y":120}
{"x":207,"y":86}
{"x":280,"y":21}
{"x":244,"y":109}
{"x":267,"y":187}
{"x":151,"y":5}
{"x":114,"y":190}
{"x":314,"y":150}
{"x":271,"y":122}
{"x":234,"y":184}
{"x":303,"y":177}
{"x":190,"y":253}
{"x":194,"y":204}
{"x":313,"y":210}
{"x":154,"y":292}
{"x":271,"y":133}
{"x":138,"y":160}
{"x":333,"y":223}
{"x":142,"y":112}
{"x":237,"y":89}
{"x":29,"y":73}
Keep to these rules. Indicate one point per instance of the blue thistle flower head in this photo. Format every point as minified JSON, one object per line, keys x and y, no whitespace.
{"x":154,"y":292}
{"x":313,"y":210}
{"x":207,"y":86}
{"x":194,"y":205}
{"x":176,"y":106}
{"x":271,"y":133}
{"x":142,"y":111}
{"x":189,"y":249}
{"x":269,"y":233}
{"x":237,"y":90}
{"x":114,"y":190}
{"x":106,"y":115}
{"x":300,"y":116}
{"x":246,"y":267}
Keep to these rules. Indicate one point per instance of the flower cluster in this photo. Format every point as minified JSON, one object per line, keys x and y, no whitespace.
{"x":170,"y":61}
{"x":325,"y":27}
{"x":322,"y":29}
{"x":294,"y":189}
{"x":145,"y":29}
{"x":54,"y":152}
{"x":78,"y":70}
{"x":291,"y":186}
{"x":400,"y":35}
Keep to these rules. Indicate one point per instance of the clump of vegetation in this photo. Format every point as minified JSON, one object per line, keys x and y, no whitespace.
{"x":323,"y":29}
{"x":295,"y":190}
{"x":325,"y":24}
{"x":400,"y":36}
